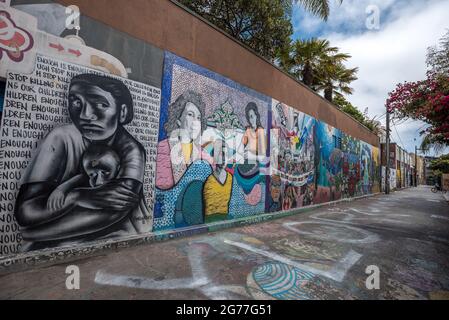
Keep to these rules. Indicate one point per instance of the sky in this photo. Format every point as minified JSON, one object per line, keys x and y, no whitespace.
{"x":386,"y":53}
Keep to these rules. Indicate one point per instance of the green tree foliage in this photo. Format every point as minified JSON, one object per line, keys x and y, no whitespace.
{"x":428,"y":142}
{"x":427,"y":100}
{"x":348,"y":108}
{"x":319,"y":66}
{"x":440,"y":165}
{"x":334,"y":78}
{"x":304,"y":57}
{"x":319,"y":8}
{"x":263,"y":25}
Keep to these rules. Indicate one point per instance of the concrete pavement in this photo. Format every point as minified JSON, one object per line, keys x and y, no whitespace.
{"x":446,"y":196}
{"x":322,"y":254}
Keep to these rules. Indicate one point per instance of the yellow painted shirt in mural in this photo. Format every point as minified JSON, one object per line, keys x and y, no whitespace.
{"x":187,"y":149}
{"x":217,"y":195}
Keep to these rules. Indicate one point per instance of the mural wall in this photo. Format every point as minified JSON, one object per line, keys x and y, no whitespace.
{"x":377,"y":170}
{"x":293,"y":152}
{"x":213,"y":148}
{"x":78,"y":141}
{"x":81,"y":147}
{"x":316,"y":162}
{"x":99,"y":143}
{"x":393,"y":179}
{"x":141,"y":61}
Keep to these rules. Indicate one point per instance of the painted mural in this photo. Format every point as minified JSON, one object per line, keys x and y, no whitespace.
{"x":392,"y":176}
{"x":77,"y":140}
{"x":171,"y":145}
{"x":293,"y":173}
{"x":19,"y":30}
{"x":110,"y":50}
{"x":213,"y":148}
{"x":377,"y":170}
{"x":329,"y":163}
{"x":313,"y":162}
{"x":76,"y":150}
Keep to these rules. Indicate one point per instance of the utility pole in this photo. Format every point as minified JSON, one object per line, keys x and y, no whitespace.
{"x":416,"y":166}
{"x":387,"y":154}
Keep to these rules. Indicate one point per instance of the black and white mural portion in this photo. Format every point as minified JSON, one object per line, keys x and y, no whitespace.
{"x":143,"y":62}
{"x":77,"y":157}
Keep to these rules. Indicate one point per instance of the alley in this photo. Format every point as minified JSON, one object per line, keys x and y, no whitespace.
{"x":321,"y":254}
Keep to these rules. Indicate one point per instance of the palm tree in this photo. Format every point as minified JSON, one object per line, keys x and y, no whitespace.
{"x":263,"y":25}
{"x":334,"y":78}
{"x":319,"y":66}
{"x":305,"y":57}
{"x":429,"y":142}
{"x":284,"y":58}
{"x":319,"y":8}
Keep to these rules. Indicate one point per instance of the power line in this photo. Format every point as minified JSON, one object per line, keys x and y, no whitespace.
{"x":404,"y":121}
{"x":399,"y":122}
{"x":396,"y":129}
{"x":376,"y":116}
{"x":380,"y":117}
{"x":425,"y":124}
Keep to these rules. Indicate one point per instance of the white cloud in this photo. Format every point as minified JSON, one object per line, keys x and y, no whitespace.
{"x":352,"y":13}
{"x":346,"y":17}
{"x":394,"y":54}
{"x":308,"y":24}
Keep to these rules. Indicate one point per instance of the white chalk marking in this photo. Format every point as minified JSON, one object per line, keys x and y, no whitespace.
{"x":369,"y":236}
{"x":349,"y":217}
{"x":432,"y":200}
{"x":198,"y":279}
{"x":146,"y":283}
{"x":439,"y":239}
{"x":439,"y":217}
{"x":222,"y":292}
{"x":380,"y":214}
{"x":337,"y":273}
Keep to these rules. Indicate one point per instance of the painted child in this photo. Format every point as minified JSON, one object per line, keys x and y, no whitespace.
{"x":101,"y":164}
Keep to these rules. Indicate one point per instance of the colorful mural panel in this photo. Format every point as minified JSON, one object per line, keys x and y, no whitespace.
{"x":392,"y":181}
{"x":292,"y":159}
{"x":313,"y":162}
{"x":329,"y":163}
{"x":213,"y":148}
{"x":376,"y":174}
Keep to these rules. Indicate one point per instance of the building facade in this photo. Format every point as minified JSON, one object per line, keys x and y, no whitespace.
{"x":402,"y":167}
